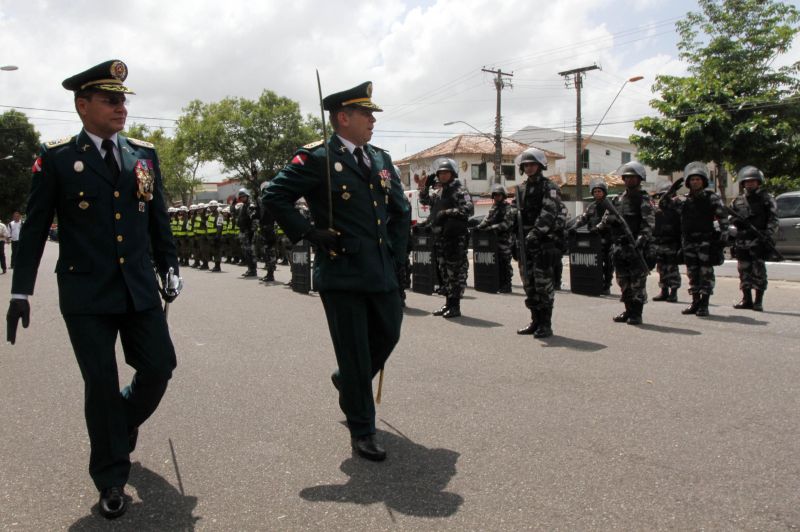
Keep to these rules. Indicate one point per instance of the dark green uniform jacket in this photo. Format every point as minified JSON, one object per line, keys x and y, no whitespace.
{"x":370,"y":214}
{"x":105,"y":231}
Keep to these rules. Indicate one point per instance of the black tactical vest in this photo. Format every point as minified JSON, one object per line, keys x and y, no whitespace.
{"x":668,"y":223}
{"x":498,"y":213}
{"x":446,"y":198}
{"x":595,"y":214}
{"x":631,"y":210}
{"x":534,"y":194}
{"x":759,"y":209}
{"x":697,"y":215}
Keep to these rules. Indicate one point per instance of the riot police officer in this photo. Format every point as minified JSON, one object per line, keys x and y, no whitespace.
{"x":450,"y":212}
{"x":591,"y":217}
{"x":501,"y":219}
{"x":758,"y":207}
{"x":539,"y":202}
{"x":630,"y":241}
{"x":248,"y":216}
{"x":667,"y":243}
{"x":214,"y":225}
{"x":704,"y":224}
{"x":268,"y":240}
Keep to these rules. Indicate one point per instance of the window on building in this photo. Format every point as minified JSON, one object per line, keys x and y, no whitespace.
{"x":608,"y":152}
{"x":509,"y":172}
{"x":586,"y":159}
{"x":626,"y":157}
{"x":479,"y":172}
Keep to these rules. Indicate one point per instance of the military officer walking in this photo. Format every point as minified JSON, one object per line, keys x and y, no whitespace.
{"x":543,"y":222}
{"x":359,"y":241}
{"x":106,"y":190}
{"x":628,"y":250}
{"x":450,"y":212}
{"x":758,"y":207}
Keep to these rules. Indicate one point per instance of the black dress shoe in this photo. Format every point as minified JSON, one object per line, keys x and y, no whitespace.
{"x":336,"y":380}
{"x":528,"y":329}
{"x":367,"y":447}
{"x":133,"y":435}
{"x":112,"y":502}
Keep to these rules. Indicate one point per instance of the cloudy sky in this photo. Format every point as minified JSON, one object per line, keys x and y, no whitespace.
{"x":423,"y":56}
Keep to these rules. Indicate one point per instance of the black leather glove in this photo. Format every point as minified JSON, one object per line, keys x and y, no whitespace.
{"x":17,"y":308}
{"x":674,"y":188}
{"x":324,"y":240}
{"x":430,"y":181}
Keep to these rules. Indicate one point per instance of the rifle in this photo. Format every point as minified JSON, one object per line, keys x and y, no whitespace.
{"x":628,"y":234}
{"x":521,"y":248}
{"x":761,"y":237}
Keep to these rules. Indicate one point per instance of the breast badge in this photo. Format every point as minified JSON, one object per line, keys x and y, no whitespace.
{"x":144,"y":179}
{"x":337,"y":166}
{"x":83,"y":205}
{"x":78,"y":166}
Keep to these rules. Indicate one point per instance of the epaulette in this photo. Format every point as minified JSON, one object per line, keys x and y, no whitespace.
{"x":379,"y":148}
{"x":58,"y":142}
{"x":312,"y":145}
{"x":141,"y":143}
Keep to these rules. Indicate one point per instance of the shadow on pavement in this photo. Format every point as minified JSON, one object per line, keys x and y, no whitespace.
{"x":163,"y":507}
{"x":572,"y":343}
{"x":778,"y":313}
{"x":744,"y":320}
{"x":411,"y":311}
{"x":665,"y":329}
{"x":411,"y":481}
{"x":473,"y":322}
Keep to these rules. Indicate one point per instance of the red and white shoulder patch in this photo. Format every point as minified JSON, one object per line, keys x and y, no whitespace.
{"x":37,"y":165}
{"x":300,"y":159}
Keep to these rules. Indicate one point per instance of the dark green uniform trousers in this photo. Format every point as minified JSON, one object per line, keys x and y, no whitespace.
{"x":364,"y":328}
{"x":111,"y":414}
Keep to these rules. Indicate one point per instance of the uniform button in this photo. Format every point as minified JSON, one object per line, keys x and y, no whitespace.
{"x":379,"y":222}
{"x":375,"y":203}
{"x":119,"y":238}
{"x":71,"y":268}
{"x":80,"y":193}
{"x":370,"y":186}
{"x":116,"y":193}
{"x":380,"y":240}
{"x":122,"y":260}
{"x":117,"y":216}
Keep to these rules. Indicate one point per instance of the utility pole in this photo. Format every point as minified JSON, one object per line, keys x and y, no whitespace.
{"x":577,"y":81}
{"x":499,"y":84}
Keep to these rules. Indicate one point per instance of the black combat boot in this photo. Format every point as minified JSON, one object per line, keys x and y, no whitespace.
{"x":623,"y":317}
{"x":453,"y":309}
{"x":673,"y":295}
{"x":543,"y":324}
{"x":702,"y":307}
{"x":531,"y":327}
{"x":444,"y":308}
{"x":270,"y":277}
{"x":692,"y":309}
{"x":663,"y":296}
{"x":504,"y":289}
{"x":635,"y":313}
{"x":758,"y":304}
{"x":747,"y":300}
{"x":217,"y":267}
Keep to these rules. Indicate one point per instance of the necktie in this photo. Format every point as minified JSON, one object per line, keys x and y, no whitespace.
{"x":110,"y":160}
{"x":359,"y":153}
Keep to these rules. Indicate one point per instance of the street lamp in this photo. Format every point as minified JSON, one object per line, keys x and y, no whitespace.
{"x":9,"y":67}
{"x":498,"y":149}
{"x":634,"y":79}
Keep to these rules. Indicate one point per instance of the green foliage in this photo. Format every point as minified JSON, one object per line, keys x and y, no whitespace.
{"x":19,"y":139}
{"x":735,"y":107}
{"x":255,"y":139}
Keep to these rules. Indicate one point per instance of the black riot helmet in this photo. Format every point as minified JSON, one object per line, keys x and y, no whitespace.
{"x":662,"y":188}
{"x":750,"y":172}
{"x":446,"y":165}
{"x":532,"y":155}
{"x":697,"y":168}
{"x":635,"y":169}
{"x":598,"y":183}
{"x":499,"y":189}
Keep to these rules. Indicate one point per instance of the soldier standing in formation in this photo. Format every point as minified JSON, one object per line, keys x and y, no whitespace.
{"x":539,"y":203}
{"x":628,"y":252}
{"x":704,"y":224}
{"x":268,"y":240}
{"x":667,"y":243}
{"x":247,"y":230}
{"x":214,"y":234}
{"x":354,"y":239}
{"x":106,"y":190}
{"x":450,"y":212}
{"x":501,"y":219}
{"x":590,"y":218}
{"x":758,"y":207}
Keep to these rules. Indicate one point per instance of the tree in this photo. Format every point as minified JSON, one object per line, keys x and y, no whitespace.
{"x":255,"y":139}
{"x":179,"y":181}
{"x":195,"y":138}
{"x":20,"y":141}
{"x":734,"y":107}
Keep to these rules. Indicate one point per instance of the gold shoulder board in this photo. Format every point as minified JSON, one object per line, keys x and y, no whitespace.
{"x":141,"y":143}
{"x":312,"y":145}
{"x":58,"y":142}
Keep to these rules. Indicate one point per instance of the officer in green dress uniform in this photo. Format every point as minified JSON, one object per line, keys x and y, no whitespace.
{"x":107,"y":192}
{"x":357,"y":255}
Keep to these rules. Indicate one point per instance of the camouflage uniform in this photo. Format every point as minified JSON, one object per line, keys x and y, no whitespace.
{"x":248,"y":217}
{"x":635,"y":207}
{"x":269,"y":241}
{"x":590,"y":218}
{"x":667,"y":247}
{"x":543,"y":223}
{"x":502,"y":219}
{"x":450,"y":211}
{"x":759,"y":208}
{"x":700,"y":239}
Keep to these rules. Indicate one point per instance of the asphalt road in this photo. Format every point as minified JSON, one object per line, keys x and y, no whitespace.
{"x":681,"y":423}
